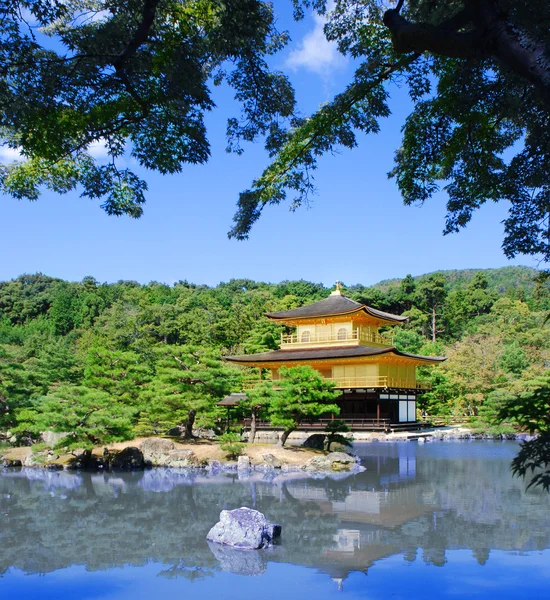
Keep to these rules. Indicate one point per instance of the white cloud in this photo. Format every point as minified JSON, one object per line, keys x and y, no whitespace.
{"x":9,"y":155}
{"x":28,"y":17}
{"x":98,"y":150}
{"x":315,"y":53}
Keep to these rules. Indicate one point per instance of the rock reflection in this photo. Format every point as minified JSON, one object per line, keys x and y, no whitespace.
{"x":240,"y":562}
{"x":417,"y":501}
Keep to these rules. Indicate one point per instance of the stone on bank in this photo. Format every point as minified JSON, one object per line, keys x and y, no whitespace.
{"x":335,"y":461}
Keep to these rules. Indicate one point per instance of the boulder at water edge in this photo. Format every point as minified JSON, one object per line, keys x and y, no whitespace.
{"x":243,"y":528}
{"x":129,"y":459}
{"x":158,"y":452}
{"x":335,"y":461}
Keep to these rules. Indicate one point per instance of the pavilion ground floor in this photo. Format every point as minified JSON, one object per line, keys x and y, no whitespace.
{"x":370,"y":410}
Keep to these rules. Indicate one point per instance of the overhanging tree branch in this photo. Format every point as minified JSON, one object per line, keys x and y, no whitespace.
{"x":148,"y":17}
{"x":140,"y":36}
{"x":491,"y":36}
{"x":305,"y":141}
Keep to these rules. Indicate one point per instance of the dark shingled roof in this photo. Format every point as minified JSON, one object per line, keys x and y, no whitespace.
{"x":335,"y":304}
{"x":324,"y":353}
{"x":232,"y":400}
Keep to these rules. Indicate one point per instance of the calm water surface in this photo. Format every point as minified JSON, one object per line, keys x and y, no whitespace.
{"x":423,"y":521}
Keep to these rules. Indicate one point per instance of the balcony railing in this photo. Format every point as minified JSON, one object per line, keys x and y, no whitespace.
{"x":342,"y":338}
{"x":361,"y":382}
{"x":355,"y":423}
{"x":375,"y":338}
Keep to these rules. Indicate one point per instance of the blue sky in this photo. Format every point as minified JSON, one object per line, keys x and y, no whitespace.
{"x":357,"y":230}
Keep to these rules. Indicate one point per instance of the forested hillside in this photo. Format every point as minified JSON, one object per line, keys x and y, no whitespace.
{"x":498,"y":280}
{"x":144,"y":358}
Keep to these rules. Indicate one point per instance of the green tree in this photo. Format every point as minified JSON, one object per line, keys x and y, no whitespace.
{"x":64,"y":309}
{"x":408,"y":340}
{"x":18,"y":385}
{"x":129,"y":75}
{"x":430,"y":297}
{"x":27,"y":297}
{"x":304,"y":395}
{"x":231,"y":444}
{"x":474,"y":369}
{"x":406,"y":293}
{"x":88,"y":417}
{"x":120,"y":373}
{"x":54,"y":363}
{"x":478,"y":73}
{"x":258,"y":402}
{"x":188,"y":382}
{"x":530,"y":409}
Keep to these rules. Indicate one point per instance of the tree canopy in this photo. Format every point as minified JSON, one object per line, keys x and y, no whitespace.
{"x":478,"y":74}
{"x":137,"y":75}
{"x":134,"y":76}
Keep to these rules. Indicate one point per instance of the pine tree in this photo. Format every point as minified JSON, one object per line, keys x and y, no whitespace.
{"x":120,"y":373}
{"x":187,"y":384}
{"x":88,"y":417}
{"x":258,"y":400}
{"x":304,"y":395}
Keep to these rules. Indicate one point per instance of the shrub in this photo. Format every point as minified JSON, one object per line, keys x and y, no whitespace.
{"x":231,"y":444}
{"x":40,"y":447}
{"x":334,"y":431}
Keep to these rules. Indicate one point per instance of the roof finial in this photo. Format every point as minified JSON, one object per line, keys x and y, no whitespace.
{"x":338,"y":290}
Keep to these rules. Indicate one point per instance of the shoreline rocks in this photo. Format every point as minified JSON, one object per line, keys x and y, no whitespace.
{"x":334,"y":461}
{"x":129,"y":459}
{"x":164,"y":453}
{"x":454,"y":435}
{"x":159,"y":452}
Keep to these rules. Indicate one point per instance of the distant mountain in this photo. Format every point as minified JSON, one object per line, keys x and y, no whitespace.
{"x":499,"y":279}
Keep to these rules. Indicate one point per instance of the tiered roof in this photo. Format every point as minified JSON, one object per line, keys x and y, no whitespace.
{"x":311,"y":354}
{"x":335,"y":305}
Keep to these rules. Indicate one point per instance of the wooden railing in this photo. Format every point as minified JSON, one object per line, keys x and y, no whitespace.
{"x":361,"y":382}
{"x":346,"y":337}
{"x":380,"y":381}
{"x":353,"y":422}
{"x":375,"y":338}
{"x":291,"y":339}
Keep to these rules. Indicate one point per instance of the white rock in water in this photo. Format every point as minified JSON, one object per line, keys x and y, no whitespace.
{"x":243,"y":528}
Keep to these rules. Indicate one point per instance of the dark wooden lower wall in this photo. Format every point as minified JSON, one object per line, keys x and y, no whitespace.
{"x":367,"y":404}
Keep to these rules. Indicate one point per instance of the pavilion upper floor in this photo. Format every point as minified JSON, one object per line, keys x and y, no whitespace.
{"x":335,"y":321}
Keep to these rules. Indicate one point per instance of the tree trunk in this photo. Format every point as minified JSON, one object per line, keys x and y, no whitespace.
{"x":252,"y":435}
{"x":284,"y":437}
{"x":188,"y":434}
{"x":433,"y":324}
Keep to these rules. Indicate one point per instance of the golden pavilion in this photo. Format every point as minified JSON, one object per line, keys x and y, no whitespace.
{"x":341,"y":339}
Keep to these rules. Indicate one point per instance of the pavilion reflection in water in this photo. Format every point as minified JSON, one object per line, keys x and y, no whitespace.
{"x":391,"y":501}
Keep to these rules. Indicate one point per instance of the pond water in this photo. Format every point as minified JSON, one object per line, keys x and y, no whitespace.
{"x":443,"y":520}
